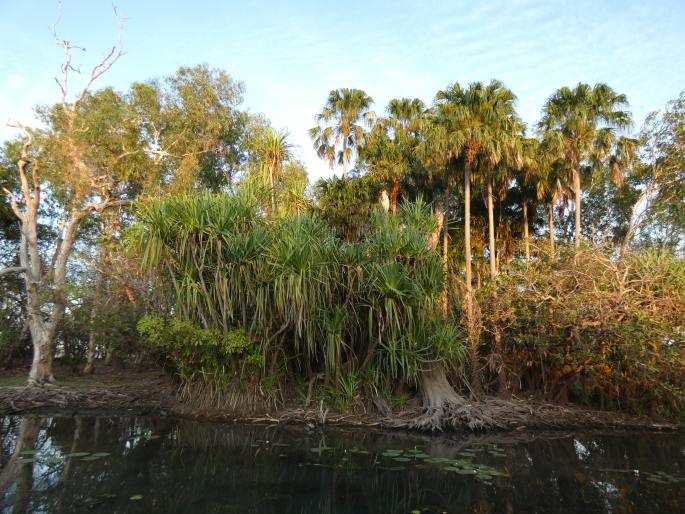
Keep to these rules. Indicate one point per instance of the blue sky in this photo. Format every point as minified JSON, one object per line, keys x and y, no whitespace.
{"x":291,"y":54}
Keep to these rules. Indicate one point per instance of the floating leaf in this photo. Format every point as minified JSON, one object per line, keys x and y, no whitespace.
{"x":102,"y":454}
{"x":401,"y":459}
{"x":136,"y":497}
{"x":78,"y":454}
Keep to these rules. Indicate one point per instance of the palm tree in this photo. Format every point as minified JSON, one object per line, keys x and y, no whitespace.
{"x":472,"y":124}
{"x":273,"y":151}
{"x":339,"y":125}
{"x":390,"y":147}
{"x":479,"y":122}
{"x":582,"y":122}
{"x":506,"y":156}
{"x":529,"y":177}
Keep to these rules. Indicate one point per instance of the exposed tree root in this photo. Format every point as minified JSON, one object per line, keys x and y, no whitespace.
{"x":507,"y":415}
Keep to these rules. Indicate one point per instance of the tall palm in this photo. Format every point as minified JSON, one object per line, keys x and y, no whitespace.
{"x":469,"y":123}
{"x":498,"y":166}
{"x":478,"y":123}
{"x":273,"y":151}
{"x":339,"y":127}
{"x":390,"y":147}
{"x":553,"y":184}
{"x":530,"y":174}
{"x":583,"y":122}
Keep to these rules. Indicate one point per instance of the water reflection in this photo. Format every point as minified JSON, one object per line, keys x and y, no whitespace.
{"x":165,"y":465}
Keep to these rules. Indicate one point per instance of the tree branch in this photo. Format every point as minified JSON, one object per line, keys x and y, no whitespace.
{"x":106,"y":63}
{"x":13,"y":269}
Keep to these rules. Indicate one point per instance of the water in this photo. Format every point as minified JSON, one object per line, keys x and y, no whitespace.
{"x":120,"y":464}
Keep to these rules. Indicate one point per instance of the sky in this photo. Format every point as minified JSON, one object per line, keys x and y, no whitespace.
{"x":290,"y":55}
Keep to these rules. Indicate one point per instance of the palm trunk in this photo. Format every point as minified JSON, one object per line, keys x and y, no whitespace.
{"x":491,"y":232}
{"x":526,"y":237}
{"x":550,"y":220}
{"x":272,"y":191}
{"x":501,"y":377}
{"x":473,"y":339}
{"x":576,"y":191}
{"x":445,"y":293}
{"x":344,"y":156}
{"x":467,"y":239}
{"x":394,"y":193}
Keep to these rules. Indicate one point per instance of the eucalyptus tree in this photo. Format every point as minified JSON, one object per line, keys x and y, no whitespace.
{"x":58,"y":156}
{"x":191,"y":128}
{"x":582,"y":124}
{"x":340,"y":131}
{"x":657,"y":216}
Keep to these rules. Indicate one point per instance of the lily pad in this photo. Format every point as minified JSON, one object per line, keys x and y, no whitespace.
{"x":136,"y":497}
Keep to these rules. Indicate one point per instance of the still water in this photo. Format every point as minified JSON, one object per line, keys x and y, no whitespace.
{"x":119,"y":464}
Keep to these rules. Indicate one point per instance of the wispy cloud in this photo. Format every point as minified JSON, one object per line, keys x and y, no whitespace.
{"x":290,"y":54}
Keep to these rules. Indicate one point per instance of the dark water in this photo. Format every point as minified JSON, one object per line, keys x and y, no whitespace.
{"x":165,"y":465}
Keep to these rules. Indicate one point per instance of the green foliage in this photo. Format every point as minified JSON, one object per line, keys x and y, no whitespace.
{"x":315,"y":302}
{"x":196,"y":353}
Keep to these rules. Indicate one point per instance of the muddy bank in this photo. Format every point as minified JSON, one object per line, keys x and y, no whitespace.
{"x":112,"y":391}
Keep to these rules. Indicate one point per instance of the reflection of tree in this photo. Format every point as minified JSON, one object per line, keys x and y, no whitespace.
{"x":18,"y":472}
{"x":209,"y":467}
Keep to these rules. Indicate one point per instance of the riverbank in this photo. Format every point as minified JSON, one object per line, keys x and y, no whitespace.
{"x":115,"y":391}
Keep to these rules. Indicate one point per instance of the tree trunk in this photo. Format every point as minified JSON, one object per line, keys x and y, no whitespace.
{"x":526,"y":237}
{"x":444,"y":302}
{"x":436,"y":391}
{"x":272,"y":191}
{"x":94,"y":335}
{"x":576,"y":191}
{"x":491,"y":231}
{"x":18,"y":473}
{"x":394,"y":193}
{"x":41,"y":365}
{"x":470,"y":321}
{"x":550,"y":220}
{"x":344,"y":156}
{"x":467,"y":240}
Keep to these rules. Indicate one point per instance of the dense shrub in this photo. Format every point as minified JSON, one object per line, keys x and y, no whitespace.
{"x":313,"y":302}
{"x":590,"y":327}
